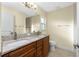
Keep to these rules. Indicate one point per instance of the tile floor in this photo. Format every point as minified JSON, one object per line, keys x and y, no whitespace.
{"x":61,"y":53}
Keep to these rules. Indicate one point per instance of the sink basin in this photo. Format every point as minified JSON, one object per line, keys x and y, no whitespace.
{"x":31,"y":38}
{"x":28,"y":38}
{"x":14,"y":45}
{"x":8,"y":42}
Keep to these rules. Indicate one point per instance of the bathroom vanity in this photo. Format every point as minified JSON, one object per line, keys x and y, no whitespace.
{"x":34,"y":47}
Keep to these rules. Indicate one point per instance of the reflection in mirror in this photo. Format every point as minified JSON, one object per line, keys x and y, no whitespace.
{"x":42,"y":24}
{"x":19,"y":22}
{"x":35,"y":27}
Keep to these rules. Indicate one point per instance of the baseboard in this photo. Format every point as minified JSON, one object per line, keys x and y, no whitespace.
{"x":64,"y":48}
{"x":67,"y":49}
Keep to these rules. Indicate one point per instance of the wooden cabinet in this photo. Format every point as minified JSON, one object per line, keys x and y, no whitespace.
{"x":22,"y":51}
{"x":5,"y":55}
{"x":31,"y":53}
{"x":45,"y":46}
{"x":38,"y":48}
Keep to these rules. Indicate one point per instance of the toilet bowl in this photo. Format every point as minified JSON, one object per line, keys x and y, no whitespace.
{"x":52,"y":45}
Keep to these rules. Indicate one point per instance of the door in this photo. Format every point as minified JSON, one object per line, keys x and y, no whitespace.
{"x":77,"y":30}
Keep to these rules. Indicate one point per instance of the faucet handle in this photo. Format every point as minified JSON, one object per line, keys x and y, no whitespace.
{"x":76,"y":46}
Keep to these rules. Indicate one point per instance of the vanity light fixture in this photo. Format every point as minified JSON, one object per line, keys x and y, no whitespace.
{"x":30,"y":5}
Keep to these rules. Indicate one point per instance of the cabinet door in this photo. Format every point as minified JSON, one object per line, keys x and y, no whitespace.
{"x":39,"y":43}
{"x":39,"y":48}
{"x":45,"y":46}
{"x":39,"y":52}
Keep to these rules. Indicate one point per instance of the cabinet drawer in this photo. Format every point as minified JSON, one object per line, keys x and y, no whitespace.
{"x":31,"y":53}
{"x":39,"y":43}
{"x":22,"y":50}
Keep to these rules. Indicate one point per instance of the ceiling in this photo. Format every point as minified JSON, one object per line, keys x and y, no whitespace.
{"x":46,"y":6}
{"x":50,"y":6}
{"x":20,"y":7}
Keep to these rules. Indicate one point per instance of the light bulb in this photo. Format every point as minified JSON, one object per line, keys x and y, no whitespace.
{"x":30,"y":5}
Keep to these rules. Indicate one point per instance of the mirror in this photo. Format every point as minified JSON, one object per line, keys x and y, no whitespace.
{"x":19,"y":22}
{"x":32,"y":25}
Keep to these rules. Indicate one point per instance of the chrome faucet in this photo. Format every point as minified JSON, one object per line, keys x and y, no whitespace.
{"x":15,"y":35}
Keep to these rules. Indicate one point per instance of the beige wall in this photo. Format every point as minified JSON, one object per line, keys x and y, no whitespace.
{"x":19,"y":18}
{"x":60,"y":26}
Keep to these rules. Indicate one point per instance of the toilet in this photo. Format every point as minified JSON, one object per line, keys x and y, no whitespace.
{"x":53,"y":41}
{"x":52,"y":45}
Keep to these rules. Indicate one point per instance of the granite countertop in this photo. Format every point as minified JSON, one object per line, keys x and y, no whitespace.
{"x":14,"y":44}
